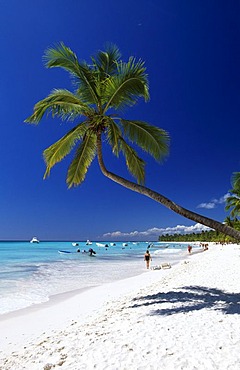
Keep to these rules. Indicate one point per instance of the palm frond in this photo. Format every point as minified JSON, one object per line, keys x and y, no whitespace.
{"x":82,"y":160}
{"x":61,"y":103}
{"x":135,"y":165}
{"x":113,"y":135}
{"x":151,"y":139}
{"x":128,"y":85}
{"x":88,"y":86}
{"x":233,"y":204}
{"x":56,"y":152}
{"x":61,"y":56}
{"x":106,"y":61}
{"x":236,"y":180}
{"x":64,"y":57}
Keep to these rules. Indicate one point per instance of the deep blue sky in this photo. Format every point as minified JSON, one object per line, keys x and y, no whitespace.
{"x":192,"y":55}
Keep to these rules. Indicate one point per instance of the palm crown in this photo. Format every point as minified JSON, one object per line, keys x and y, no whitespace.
{"x":100,"y":89}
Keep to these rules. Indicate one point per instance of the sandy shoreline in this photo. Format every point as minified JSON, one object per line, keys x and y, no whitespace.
{"x":187,"y":317}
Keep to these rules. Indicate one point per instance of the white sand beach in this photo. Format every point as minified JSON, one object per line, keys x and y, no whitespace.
{"x":186,"y":317}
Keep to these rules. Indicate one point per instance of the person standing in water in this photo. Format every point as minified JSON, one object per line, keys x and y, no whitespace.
{"x":147,"y":258}
{"x":91,"y":252}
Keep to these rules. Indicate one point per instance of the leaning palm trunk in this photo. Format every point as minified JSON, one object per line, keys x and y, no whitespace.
{"x":223,"y":228}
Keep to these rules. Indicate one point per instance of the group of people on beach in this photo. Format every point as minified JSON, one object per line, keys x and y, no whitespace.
{"x":203,"y":245}
{"x":148,"y":258}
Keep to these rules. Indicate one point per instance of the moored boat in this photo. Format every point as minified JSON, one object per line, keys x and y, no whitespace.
{"x":34,"y":240}
{"x":100,"y":245}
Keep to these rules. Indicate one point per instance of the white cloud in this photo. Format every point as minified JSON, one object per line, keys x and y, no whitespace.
{"x":213,"y":203}
{"x":210,"y":205}
{"x":154,"y":232}
{"x":224,"y":198}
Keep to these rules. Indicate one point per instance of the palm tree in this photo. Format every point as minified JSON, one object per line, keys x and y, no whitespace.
{"x":229,"y":221}
{"x":233,"y":201}
{"x":103,"y":88}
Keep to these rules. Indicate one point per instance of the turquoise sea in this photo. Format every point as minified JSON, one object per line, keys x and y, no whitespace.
{"x":32,"y":272}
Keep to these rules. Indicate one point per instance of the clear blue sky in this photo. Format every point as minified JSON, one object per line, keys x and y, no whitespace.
{"x":192,"y":55}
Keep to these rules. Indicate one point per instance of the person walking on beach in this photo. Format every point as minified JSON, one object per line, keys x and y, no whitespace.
{"x":147,"y":258}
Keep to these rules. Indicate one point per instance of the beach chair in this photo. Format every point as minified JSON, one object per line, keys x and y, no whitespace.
{"x":156,"y":267}
{"x":163,"y":266}
{"x":166,"y":265}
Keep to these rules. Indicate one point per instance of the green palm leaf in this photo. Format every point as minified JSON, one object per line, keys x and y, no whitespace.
{"x":113,"y":135}
{"x":62,"y":56}
{"x":82,"y":160}
{"x":56,"y":152}
{"x":61,"y":103}
{"x":134,"y":164}
{"x":88,"y":87}
{"x":236,"y":181}
{"x":106,"y":61}
{"x":151,"y":139}
{"x":233,"y":201}
{"x":128,"y":85}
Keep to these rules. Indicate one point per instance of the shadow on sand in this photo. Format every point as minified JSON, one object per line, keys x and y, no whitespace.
{"x":191,"y":298}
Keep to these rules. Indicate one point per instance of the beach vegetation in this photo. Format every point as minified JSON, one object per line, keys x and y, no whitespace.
{"x":233,"y":201}
{"x":102,"y":89}
{"x":204,"y":236}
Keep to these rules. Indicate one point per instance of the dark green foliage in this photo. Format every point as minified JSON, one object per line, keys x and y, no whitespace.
{"x":204,"y":236}
{"x":233,"y":201}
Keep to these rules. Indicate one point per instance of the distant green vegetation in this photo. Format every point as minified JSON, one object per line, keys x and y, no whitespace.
{"x":204,"y":236}
{"x":232,"y":205}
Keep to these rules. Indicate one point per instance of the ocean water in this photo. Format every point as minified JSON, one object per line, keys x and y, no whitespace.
{"x":32,"y":272}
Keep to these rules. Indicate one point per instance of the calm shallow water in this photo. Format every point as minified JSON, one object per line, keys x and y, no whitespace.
{"x":30,"y":273}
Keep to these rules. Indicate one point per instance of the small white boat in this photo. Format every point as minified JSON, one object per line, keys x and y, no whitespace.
{"x":100,"y":245}
{"x":34,"y":240}
{"x":75,"y":244}
{"x":88,"y":242}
